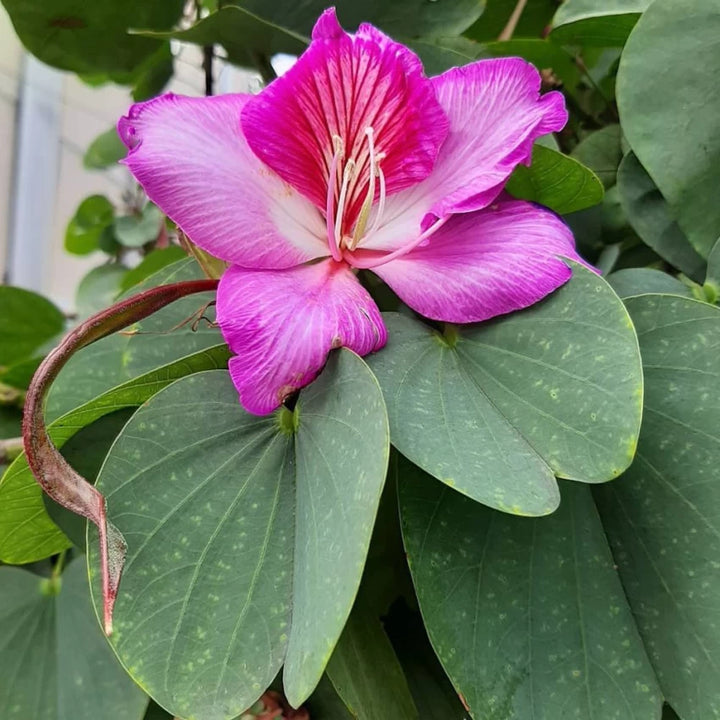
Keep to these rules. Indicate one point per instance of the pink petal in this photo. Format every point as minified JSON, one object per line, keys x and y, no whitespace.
{"x":496,"y":113}
{"x":340,"y":86}
{"x":482,"y":264}
{"x":193,"y":161}
{"x":282,"y":324}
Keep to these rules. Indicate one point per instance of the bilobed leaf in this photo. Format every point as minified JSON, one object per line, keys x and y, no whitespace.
{"x":527,"y":616}
{"x":232,"y":520}
{"x":439,"y":54}
{"x":651,"y":218}
{"x":104,"y":151}
{"x":26,"y":531}
{"x":601,"y":152}
{"x":91,"y":37}
{"x":27,"y":322}
{"x":54,"y":661}
{"x":366,"y":673}
{"x":498,"y":408}
{"x":556,"y":181}
{"x":662,"y":516}
{"x":640,"y":281}
{"x":596,"y":22}
{"x":671,"y":122}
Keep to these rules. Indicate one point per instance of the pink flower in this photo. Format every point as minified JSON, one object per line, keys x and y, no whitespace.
{"x":354,"y":159}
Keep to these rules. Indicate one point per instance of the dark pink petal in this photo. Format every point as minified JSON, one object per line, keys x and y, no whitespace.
{"x":496,"y":113}
{"x":342,"y":85}
{"x":192,"y":159}
{"x":282,"y":324}
{"x":482,"y":264}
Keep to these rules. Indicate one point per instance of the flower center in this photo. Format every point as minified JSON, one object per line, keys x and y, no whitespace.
{"x":347,"y":170}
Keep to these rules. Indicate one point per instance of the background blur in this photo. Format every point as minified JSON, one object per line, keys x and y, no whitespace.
{"x":47,"y":120}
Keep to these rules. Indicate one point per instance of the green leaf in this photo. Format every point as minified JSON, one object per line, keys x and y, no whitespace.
{"x":135,"y":230}
{"x":640,"y":281}
{"x":153,"y":76}
{"x":713,"y":265}
{"x":528,"y":617}
{"x":211,"y":500}
{"x":366,"y":673}
{"x":86,"y":451}
{"x":93,"y":216}
{"x":606,"y":23}
{"x":556,"y":181}
{"x":26,"y":531}
{"x":671,"y":121}
{"x":651,"y":218}
{"x":260,"y":29}
{"x":534,"y":19}
{"x":325,"y":703}
{"x":91,"y":37}
{"x":601,"y":152}
{"x":495,"y":409}
{"x":439,"y":54}
{"x":541,"y":53}
{"x":27,"y":322}
{"x":662,"y":516}
{"x":104,"y":151}
{"x":99,"y":289}
{"x":428,"y":683}
{"x":158,"y":340}
{"x":153,"y":262}
{"x":54,"y":660}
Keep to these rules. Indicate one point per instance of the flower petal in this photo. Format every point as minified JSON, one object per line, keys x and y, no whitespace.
{"x":496,"y":113}
{"x":192,"y":159}
{"x":340,"y":86}
{"x":282,"y":323}
{"x":483,"y":264}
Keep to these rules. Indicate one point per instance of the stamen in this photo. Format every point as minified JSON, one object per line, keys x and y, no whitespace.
{"x":348,"y":174}
{"x":381,"y":201}
{"x":367,"y":204}
{"x":377,"y":261}
{"x":332,"y":182}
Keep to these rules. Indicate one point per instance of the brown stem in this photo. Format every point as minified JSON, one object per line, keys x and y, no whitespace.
{"x":512,"y":22}
{"x":50,"y":469}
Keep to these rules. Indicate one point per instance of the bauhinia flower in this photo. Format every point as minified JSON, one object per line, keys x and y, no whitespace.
{"x":352,"y":160}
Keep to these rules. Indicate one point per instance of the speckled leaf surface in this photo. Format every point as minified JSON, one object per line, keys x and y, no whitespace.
{"x":342,"y":448}
{"x":527,"y":616}
{"x":203,"y":494}
{"x":651,"y":218}
{"x":54,"y":661}
{"x":366,"y":673}
{"x":671,"y":123}
{"x":641,"y":281}
{"x":26,"y":531}
{"x":662,"y":515}
{"x":231,"y":520}
{"x":553,"y":390}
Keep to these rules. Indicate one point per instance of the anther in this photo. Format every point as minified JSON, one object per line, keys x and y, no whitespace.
{"x":364,"y":215}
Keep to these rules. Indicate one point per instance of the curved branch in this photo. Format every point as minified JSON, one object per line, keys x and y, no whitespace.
{"x":50,"y":469}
